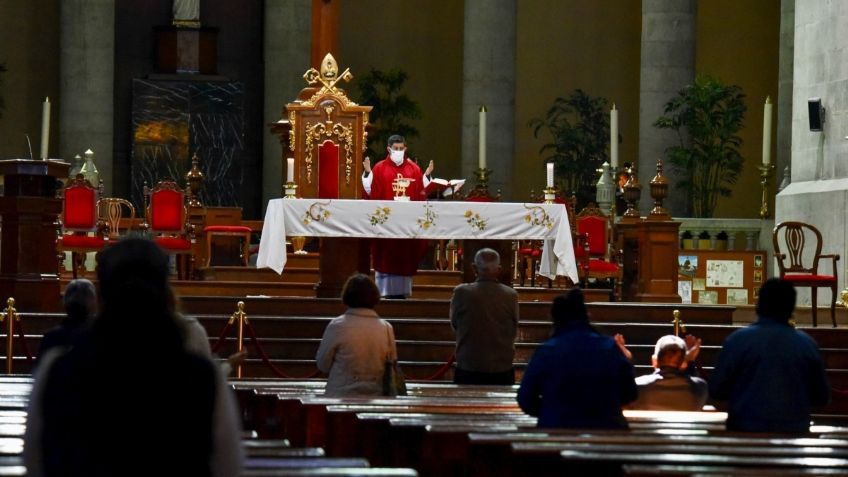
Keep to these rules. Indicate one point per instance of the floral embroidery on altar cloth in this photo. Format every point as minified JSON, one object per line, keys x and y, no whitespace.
{"x":475,"y":220}
{"x":429,"y":218}
{"x":317,"y":212}
{"x":380,"y":216}
{"x":536,"y":215}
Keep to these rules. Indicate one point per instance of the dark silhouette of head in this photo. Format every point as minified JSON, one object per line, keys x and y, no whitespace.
{"x":133,"y":277}
{"x":777,"y":299}
{"x":569,"y":307}
{"x":80,"y":300}
{"x":359,"y":291}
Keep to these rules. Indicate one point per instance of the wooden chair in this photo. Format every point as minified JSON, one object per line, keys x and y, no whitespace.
{"x":166,"y":219}
{"x":79,"y":226}
{"x":802,"y":269}
{"x":597,"y":257}
{"x":112,"y":211}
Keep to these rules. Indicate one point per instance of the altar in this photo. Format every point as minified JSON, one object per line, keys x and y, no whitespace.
{"x":419,"y":220}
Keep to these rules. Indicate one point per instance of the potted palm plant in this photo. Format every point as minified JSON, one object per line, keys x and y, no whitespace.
{"x":393,"y":109}
{"x":707,"y":116}
{"x":579,"y":130}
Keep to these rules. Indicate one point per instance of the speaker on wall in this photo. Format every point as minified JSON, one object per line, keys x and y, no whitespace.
{"x":816,"y":113}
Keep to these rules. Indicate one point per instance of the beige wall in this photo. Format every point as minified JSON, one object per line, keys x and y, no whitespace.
{"x":425,"y":40}
{"x":738,"y":43}
{"x":29,"y":45}
{"x":569,"y":44}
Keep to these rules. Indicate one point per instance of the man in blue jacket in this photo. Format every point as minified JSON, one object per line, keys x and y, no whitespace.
{"x":579,"y":378}
{"x":771,"y":373}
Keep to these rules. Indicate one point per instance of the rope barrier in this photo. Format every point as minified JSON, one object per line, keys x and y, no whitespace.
{"x":267,"y":360}
{"x":222,"y":337}
{"x":20,"y":327}
{"x":839,"y":391}
{"x":440,"y":373}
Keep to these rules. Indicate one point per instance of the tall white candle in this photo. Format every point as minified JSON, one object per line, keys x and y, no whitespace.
{"x":481,"y":160}
{"x":550,"y":181}
{"x":45,"y":127}
{"x":767,"y":132}
{"x":290,"y":169}
{"x":614,"y":137}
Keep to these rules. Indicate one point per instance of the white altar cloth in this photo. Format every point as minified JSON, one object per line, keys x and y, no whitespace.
{"x":423,"y":220}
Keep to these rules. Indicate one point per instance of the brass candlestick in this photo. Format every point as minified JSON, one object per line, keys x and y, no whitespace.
{"x":659,"y":191}
{"x":632,"y":192}
{"x":194,"y":178}
{"x":550,"y":195}
{"x":765,"y":176}
{"x":290,"y":189}
{"x":481,"y":189}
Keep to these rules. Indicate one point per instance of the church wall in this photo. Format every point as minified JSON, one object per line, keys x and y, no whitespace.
{"x":817,"y":194}
{"x":425,"y":40}
{"x":738,"y":43}
{"x":29,"y":46}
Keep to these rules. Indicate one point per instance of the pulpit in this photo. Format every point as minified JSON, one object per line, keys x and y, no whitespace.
{"x":29,"y":210}
{"x":324,"y":131}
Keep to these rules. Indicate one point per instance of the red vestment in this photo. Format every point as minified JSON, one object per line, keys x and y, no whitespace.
{"x":397,"y":256}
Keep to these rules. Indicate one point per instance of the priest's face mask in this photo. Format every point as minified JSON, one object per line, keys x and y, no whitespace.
{"x":396,"y":152}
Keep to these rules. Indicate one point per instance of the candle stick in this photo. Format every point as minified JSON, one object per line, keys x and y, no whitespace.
{"x":767,"y":131}
{"x":481,"y":163}
{"x":550,"y":181}
{"x":45,"y":128}
{"x":290,"y":170}
{"x":614,"y":137}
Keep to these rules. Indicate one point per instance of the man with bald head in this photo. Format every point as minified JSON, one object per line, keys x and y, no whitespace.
{"x":484,"y":315}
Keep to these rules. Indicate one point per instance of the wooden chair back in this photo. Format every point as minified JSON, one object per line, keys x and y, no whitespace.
{"x":797,"y":247}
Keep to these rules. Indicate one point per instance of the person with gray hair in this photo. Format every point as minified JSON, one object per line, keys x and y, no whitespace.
{"x":80,"y":300}
{"x":672,"y":387}
{"x":484,"y":315}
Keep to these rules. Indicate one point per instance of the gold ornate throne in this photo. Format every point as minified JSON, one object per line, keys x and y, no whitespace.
{"x":324,"y":131}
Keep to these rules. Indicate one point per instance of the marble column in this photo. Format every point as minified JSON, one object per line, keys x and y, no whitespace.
{"x":667,"y":64}
{"x":488,"y":78}
{"x":87,"y":66}
{"x":783,"y":151}
{"x":287,"y":50}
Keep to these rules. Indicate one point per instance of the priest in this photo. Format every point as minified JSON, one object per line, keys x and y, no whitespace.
{"x":395,"y":261}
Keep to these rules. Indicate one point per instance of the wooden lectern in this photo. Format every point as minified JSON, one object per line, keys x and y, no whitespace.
{"x":324,"y":131}
{"x":29,"y":210}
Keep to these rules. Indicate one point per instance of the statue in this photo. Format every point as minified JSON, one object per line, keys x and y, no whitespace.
{"x":186,"y":13}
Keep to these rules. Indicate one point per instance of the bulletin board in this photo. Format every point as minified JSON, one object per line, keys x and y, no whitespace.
{"x":709,"y":277}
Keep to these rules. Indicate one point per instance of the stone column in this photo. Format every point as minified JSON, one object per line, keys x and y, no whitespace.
{"x":667,"y":64}
{"x":87,"y":66}
{"x":783,"y":151}
{"x":287,"y":40}
{"x":488,"y":78}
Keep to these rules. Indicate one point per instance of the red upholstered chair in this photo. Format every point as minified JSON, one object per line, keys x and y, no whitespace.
{"x":597,"y":257}
{"x":799,"y":263}
{"x":166,"y":219}
{"x":529,"y":252}
{"x":79,"y":225}
{"x":241,"y":231}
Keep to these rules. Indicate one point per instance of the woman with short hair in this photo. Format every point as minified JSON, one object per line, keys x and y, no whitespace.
{"x":356,"y":344}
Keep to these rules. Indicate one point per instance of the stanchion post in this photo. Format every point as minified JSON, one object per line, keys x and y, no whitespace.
{"x":242,"y":319}
{"x":10,"y":315}
{"x":679,"y":326}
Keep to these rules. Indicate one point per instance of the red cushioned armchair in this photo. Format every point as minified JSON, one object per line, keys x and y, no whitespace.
{"x":799,"y":264}
{"x":166,"y":219}
{"x":80,"y":230}
{"x":598,"y":258}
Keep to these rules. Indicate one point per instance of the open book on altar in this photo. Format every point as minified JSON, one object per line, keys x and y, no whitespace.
{"x":443,"y":187}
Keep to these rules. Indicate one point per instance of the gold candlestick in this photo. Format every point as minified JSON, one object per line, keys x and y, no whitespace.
{"x":550,"y":195}
{"x":765,"y":176}
{"x":632,"y":192}
{"x":290,"y":189}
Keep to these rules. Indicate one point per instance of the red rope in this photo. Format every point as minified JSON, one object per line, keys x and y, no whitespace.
{"x":221,"y":337}
{"x":268,"y":362}
{"x":839,"y":391}
{"x":440,"y":373}
{"x":20,"y":327}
